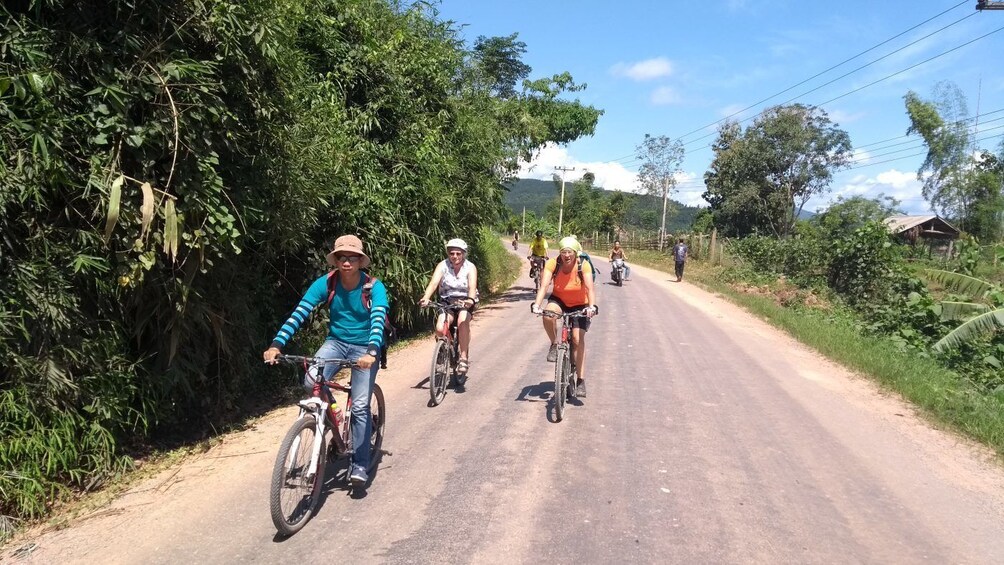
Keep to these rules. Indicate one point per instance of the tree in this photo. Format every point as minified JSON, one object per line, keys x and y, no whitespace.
{"x":960,"y":183}
{"x":761,"y":179}
{"x":661,"y":158}
{"x":500,"y":60}
{"x":848,"y":214}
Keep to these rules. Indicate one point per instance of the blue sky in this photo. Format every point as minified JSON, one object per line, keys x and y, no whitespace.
{"x":676,"y":68}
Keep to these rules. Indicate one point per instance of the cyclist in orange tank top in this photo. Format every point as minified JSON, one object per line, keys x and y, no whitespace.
{"x":573,"y":290}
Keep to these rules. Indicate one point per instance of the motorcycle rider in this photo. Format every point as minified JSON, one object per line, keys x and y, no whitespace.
{"x":617,"y":254}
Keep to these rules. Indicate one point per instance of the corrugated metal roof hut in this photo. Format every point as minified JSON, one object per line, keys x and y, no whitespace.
{"x":910,"y":228}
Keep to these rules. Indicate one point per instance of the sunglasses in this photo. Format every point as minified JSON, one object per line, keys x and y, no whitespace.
{"x":349,"y":258}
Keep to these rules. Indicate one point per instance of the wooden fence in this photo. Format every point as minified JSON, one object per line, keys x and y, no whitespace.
{"x":702,"y":247}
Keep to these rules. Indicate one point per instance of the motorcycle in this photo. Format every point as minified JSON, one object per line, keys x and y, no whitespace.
{"x":617,"y":271}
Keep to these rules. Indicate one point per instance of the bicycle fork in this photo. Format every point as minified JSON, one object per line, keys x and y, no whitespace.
{"x":316,"y":408}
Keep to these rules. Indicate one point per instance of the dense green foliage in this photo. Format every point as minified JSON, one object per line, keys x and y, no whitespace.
{"x":171,"y":173}
{"x":762,"y":177}
{"x":626,"y":210}
{"x":865,"y":272}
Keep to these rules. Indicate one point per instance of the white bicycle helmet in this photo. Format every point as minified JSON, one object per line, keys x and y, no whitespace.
{"x":457,"y":243}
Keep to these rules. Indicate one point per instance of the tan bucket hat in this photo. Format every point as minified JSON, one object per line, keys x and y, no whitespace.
{"x":349,"y":244}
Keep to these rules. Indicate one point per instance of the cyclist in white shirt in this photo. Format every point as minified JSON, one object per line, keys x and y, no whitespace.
{"x":456,"y":279}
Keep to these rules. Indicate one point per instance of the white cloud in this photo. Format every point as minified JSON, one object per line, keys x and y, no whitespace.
{"x":644,"y":70}
{"x":610,"y":175}
{"x":664,"y":96}
{"x":842,"y":118}
{"x":901,"y":185}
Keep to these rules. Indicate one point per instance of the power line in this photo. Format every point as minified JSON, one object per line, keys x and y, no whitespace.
{"x":873,"y":83}
{"x":842,"y":63}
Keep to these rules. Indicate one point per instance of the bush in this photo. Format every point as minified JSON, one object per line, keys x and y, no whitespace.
{"x":497,"y":268}
{"x":800,"y":259}
{"x":861,"y":264}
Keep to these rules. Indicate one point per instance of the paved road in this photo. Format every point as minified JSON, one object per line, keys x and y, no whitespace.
{"x":707,"y":437}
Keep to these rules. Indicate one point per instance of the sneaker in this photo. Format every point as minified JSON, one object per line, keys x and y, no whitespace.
{"x":580,"y":388}
{"x":552,"y":353}
{"x":358,"y":475}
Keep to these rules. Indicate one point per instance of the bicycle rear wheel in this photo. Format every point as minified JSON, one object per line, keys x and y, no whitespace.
{"x":378,"y":415}
{"x":439,"y":374}
{"x":562,"y":368}
{"x":294,"y":491}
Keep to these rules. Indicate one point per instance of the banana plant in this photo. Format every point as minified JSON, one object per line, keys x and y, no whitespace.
{"x":983,"y":313}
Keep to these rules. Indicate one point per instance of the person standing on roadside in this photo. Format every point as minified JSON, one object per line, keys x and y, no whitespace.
{"x":680,"y":258}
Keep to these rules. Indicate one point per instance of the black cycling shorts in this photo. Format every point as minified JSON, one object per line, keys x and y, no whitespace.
{"x":581,"y":322}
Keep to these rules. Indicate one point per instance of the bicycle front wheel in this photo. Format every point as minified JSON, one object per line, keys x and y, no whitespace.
{"x":378,"y":421}
{"x":439,"y":373}
{"x":562,"y":370}
{"x":295,"y":489}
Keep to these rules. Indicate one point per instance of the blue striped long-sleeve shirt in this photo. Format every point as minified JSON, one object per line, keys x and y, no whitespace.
{"x":350,"y":320}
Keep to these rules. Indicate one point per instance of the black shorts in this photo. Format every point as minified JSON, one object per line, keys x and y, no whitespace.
{"x":580,"y":322}
{"x":456,"y":300}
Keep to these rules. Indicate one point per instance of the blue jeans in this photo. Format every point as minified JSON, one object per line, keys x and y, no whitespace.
{"x":362,"y":388}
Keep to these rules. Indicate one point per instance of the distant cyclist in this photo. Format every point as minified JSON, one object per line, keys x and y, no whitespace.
{"x":617,"y":254}
{"x":538,"y":252}
{"x":573,"y":290}
{"x":355,"y":332}
{"x":457,"y":281}
{"x":515,"y":239}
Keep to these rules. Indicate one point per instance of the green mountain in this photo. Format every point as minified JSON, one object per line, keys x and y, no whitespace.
{"x":643,"y":212}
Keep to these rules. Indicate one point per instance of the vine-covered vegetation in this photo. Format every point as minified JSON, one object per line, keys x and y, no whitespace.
{"x":171,"y":173}
{"x":948,"y":316}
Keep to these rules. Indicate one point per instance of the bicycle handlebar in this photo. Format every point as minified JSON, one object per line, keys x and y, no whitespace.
{"x":315,"y":361}
{"x":576,"y":314}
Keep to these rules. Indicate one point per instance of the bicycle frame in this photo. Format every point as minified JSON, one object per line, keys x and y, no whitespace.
{"x":450,"y":333}
{"x":564,"y":382}
{"x":447,"y":340}
{"x":318,"y":406}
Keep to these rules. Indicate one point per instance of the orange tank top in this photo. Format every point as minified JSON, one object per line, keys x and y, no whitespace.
{"x":569,"y":287}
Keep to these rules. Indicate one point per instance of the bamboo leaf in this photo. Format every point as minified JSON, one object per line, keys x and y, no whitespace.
{"x":170,"y":228}
{"x":114,"y":198}
{"x":147,"y":208}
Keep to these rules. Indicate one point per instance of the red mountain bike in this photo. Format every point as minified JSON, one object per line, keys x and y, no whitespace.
{"x":564,"y":365}
{"x":445,"y":355}
{"x":298,"y":473}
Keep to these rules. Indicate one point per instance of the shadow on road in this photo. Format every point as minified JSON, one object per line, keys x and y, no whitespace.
{"x":514,"y":294}
{"x":536,"y":393}
{"x":336,"y":480}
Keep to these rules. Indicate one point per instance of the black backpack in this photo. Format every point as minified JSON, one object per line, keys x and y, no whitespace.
{"x":389,"y":332}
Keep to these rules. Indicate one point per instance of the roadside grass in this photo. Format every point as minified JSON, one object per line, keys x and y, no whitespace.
{"x":497,"y":267}
{"x":944,"y":397}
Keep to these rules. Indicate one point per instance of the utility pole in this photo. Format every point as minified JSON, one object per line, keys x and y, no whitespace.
{"x":561,"y":205}
{"x":662,"y":230}
{"x":523,"y":229}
